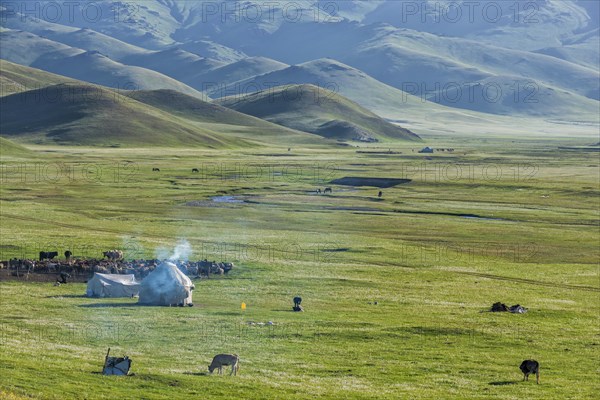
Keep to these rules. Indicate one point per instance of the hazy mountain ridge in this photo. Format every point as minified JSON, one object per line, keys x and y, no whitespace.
{"x":238,"y":47}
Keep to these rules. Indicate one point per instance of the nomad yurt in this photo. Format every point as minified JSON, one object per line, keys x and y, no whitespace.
{"x":166,"y":286}
{"x":112,"y":285}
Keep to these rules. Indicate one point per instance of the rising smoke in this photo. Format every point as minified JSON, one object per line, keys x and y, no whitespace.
{"x":182,"y":252}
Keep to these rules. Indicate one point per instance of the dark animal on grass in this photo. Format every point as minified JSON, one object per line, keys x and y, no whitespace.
{"x":48,"y":255}
{"x":68,"y":255}
{"x":530,"y":367}
{"x":63,"y":277}
{"x":318,"y":190}
{"x":499,"y":307}
{"x":155,"y":170}
{"x":297,"y":301}
{"x":380,"y":194}
{"x":222,"y":360}
{"x":195,"y":170}
{"x":328,"y":190}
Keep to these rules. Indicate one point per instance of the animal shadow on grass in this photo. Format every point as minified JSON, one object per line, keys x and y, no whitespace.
{"x":504,"y":383}
{"x":197,"y":373}
{"x":100,"y":305}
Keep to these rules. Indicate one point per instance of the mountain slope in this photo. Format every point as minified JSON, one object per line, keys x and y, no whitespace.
{"x":90,"y":66}
{"x":175,"y":63}
{"x":11,"y":149}
{"x":384,"y":100}
{"x":229,"y":74}
{"x":312,"y":109}
{"x":15,"y":78}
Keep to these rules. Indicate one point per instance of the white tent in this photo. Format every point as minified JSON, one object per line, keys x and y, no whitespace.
{"x":166,"y":286}
{"x":112,"y":285}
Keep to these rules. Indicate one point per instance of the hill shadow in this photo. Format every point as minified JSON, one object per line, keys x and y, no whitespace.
{"x":504,"y":383}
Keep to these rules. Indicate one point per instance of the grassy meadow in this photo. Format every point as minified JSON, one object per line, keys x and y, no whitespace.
{"x":499,"y":219}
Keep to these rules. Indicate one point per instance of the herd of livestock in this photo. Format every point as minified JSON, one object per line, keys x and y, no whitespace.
{"x":112,"y":263}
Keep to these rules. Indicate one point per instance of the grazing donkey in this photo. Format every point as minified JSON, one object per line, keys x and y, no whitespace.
{"x":530,"y":367}
{"x":221,"y":360}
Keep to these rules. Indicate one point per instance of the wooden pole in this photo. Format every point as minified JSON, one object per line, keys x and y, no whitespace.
{"x":106,"y":358}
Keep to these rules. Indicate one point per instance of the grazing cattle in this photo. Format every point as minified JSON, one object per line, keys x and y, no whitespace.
{"x":113,"y":255}
{"x":328,"y":190}
{"x":380,"y":194}
{"x":318,"y":190}
{"x":195,"y":170}
{"x":530,"y":367}
{"x":155,"y":170}
{"x":222,"y":360}
{"x":48,"y":255}
{"x":68,"y":255}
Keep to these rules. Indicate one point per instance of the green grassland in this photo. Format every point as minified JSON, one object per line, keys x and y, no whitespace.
{"x":511,"y":220}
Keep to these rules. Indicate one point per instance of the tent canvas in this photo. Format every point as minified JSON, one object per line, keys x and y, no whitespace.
{"x":112,"y":285}
{"x":166,"y":286}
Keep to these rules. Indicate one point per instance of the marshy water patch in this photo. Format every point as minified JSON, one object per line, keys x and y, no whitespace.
{"x":228,"y":199}
{"x":218,"y":201}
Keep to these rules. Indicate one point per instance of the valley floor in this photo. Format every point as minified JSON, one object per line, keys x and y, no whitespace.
{"x":498,"y":219}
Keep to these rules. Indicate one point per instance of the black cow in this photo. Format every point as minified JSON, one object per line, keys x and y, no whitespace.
{"x":195,"y":170}
{"x":328,"y":190}
{"x":155,"y":170}
{"x":297,"y":302}
{"x":530,"y":367}
{"x":380,"y":194}
{"x":68,"y":255}
{"x":48,"y":255}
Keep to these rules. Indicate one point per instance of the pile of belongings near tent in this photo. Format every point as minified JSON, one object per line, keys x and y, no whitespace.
{"x":501,"y":307}
{"x":116,"y":365}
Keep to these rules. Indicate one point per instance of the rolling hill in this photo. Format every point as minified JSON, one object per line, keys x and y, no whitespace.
{"x":90,"y":115}
{"x":15,"y":78}
{"x":312,"y":109}
{"x":76,"y":113}
{"x":94,"y":116}
{"x":11,"y":149}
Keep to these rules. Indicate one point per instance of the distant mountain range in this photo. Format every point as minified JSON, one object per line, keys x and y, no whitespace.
{"x":401,"y":60}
